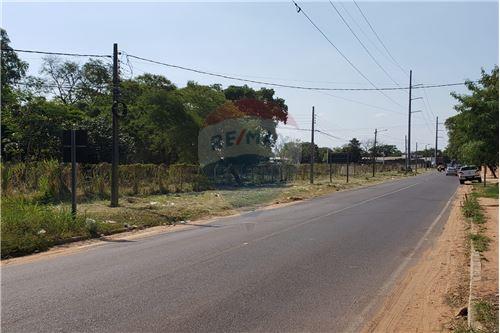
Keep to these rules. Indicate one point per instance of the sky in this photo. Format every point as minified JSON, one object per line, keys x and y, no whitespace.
{"x":441,"y":42}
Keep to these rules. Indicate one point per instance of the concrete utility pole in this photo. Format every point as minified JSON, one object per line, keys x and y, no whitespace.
{"x":409,"y":119}
{"x":406,"y":153}
{"x":311,"y":175}
{"x":329,"y":164}
{"x":409,"y":125}
{"x":436,"y":147}
{"x":373,"y":153}
{"x":73,"y":173}
{"x":115,"y":155}
{"x":416,"y":156}
{"x":425,"y":158}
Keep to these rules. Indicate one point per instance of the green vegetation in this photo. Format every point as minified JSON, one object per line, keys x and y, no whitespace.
{"x":472,"y":210}
{"x":487,"y":314}
{"x":473,"y":132}
{"x":28,"y":227}
{"x":480,"y":242}
{"x":488,"y":191}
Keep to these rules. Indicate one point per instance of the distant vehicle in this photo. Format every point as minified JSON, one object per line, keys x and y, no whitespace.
{"x":469,"y":172}
{"x":451,"y":170}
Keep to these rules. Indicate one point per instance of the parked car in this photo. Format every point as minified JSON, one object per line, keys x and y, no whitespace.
{"x":451,"y":170}
{"x":469,"y":172}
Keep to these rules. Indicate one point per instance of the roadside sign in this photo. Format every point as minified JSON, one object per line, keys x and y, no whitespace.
{"x":81,"y":146}
{"x":80,"y":137}
{"x":339,"y":158}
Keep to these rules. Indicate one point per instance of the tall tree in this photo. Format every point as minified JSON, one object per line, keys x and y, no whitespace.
{"x":473,"y":132}
{"x":13,"y":70}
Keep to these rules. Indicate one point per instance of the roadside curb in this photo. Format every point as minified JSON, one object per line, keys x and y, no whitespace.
{"x":474,"y":277}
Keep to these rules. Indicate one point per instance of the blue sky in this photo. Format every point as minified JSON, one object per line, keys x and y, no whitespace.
{"x":269,"y":41}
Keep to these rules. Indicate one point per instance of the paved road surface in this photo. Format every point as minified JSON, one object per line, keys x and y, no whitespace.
{"x":318,"y":265}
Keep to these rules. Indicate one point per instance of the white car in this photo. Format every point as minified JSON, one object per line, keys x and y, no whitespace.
{"x":469,"y":172}
{"x":451,"y":170}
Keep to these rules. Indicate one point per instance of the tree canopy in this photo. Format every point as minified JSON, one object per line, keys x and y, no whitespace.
{"x":473,"y":132}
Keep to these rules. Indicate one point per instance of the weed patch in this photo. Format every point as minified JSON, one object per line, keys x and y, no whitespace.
{"x":472,"y":209}
{"x":480,"y":242}
{"x":487,"y":314}
{"x":488,"y":191}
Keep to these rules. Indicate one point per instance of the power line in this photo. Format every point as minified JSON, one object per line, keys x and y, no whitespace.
{"x":363,"y":103}
{"x":229,"y":77}
{"x":363,"y":45}
{"x":374,"y":44}
{"x":60,"y":53}
{"x":309,"y":130}
{"x":300,"y":10}
{"x":424,"y":86}
{"x":378,"y":38}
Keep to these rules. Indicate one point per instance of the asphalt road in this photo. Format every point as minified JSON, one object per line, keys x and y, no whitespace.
{"x":319,"y":265}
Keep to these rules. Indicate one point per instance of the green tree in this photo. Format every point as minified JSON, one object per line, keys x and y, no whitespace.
{"x":39,"y":126}
{"x":13,"y":70}
{"x":387,"y":150}
{"x":473,"y":132}
{"x":306,"y":153}
{"x":354,"y":149}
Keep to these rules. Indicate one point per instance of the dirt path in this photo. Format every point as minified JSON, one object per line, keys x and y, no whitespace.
{"x":435,"y":289}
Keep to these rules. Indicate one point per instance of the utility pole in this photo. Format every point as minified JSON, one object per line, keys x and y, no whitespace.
{"x":347,"y":168}
{"x":73,"y":173}
{"x":436,"y":147}
{"x":115,"y":156}
{"x":329,"y":164}
{"x":425,"y":159}
{"x":373,"y":153}
{"x":416,"y":156}
{"x":409,"y":124}
{"x":311,"y":175}
{"x":409,"y":118}
{"x":406,"y":153}
{"x":374,"y":149}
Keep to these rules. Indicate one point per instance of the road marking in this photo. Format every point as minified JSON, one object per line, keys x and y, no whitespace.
{"x":356,"y":325}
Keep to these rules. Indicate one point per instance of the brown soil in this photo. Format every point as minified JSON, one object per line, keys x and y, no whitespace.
{"x":488,"y":285}
{"x":434,"y":290}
